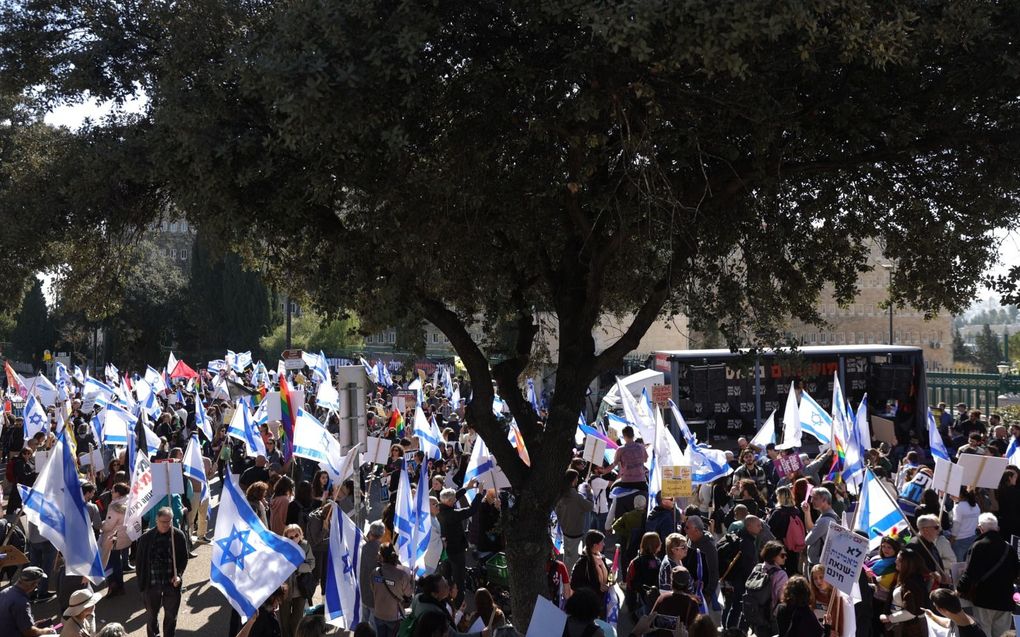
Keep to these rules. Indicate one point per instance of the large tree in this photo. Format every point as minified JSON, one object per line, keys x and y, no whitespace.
{"x":504,"y":161}
{"x":33,"y":330}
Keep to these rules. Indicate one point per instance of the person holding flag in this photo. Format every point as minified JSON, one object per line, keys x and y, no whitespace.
{"x":162,"y":556}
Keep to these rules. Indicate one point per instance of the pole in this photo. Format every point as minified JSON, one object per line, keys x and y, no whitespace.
{"x":890,"y":307}
{"x":173,"y":545}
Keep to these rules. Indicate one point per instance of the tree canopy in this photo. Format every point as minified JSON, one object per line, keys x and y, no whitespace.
{"x":463,"y":162}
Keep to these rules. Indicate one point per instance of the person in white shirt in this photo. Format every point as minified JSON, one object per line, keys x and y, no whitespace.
{"x":965,"y":522}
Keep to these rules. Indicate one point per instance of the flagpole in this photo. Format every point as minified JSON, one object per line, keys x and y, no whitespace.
{"x":173,"y":544}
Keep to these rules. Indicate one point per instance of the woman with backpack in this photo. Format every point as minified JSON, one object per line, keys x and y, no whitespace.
{"x":787,"y":525}
{"x":300,"y":584}
{"x":642,"y":583}
{"x":764,"y":589}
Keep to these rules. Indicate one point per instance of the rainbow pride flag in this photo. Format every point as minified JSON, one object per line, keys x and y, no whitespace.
{"x":396,"y":422}
{"x":287,"y":414}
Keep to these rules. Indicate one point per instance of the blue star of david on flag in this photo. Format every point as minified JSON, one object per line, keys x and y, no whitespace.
{"x":229,"y":557}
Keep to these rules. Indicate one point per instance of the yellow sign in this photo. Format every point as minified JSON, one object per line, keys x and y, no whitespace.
{"x":676,"y":482}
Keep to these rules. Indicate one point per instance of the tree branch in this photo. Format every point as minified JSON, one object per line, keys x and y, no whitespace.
{"x":650,"y":309}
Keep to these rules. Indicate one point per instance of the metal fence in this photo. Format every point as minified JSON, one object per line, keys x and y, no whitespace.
{"x":979,"y":391}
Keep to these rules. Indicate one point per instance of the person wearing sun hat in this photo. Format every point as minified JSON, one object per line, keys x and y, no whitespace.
{"x":79,"y":616}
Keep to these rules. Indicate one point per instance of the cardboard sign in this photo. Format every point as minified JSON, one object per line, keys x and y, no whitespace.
{"x":93,"y":459}
{"x":167,"y":479}
{"x":293,"y":359}
{"x":982,"y":471}
{"x":273,"y":405}
{"x":594,"y":450}
{"x":676,"y":482}
{"x":948,"y":477}
{"x":547,"y":619}
{"x":42,"y":456}
{"x":378,"y":450}
{"x":785,"y":465}
{"x":843,"y":556}
{"x":661,"y":394}
{"x":883,"y":430}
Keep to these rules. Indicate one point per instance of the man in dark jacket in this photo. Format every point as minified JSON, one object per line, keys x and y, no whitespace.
{"x":162,"y":556}
{"x":663,"y":519}
{"x":451,"y":524}
{"x":988,"y":580}
{"x":737,"y":576}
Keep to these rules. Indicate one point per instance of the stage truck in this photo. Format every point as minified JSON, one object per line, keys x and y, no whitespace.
{"x":724,"y":395}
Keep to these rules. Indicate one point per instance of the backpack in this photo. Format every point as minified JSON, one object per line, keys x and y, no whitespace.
{"x":728,"y":547}
{"x":757,"y":601}
{"x":795,"y":534}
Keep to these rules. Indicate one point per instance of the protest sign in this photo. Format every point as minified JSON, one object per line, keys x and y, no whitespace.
{"x":378,"y":450}
{"x":787,"y":464}
{"x":982,"y":471}
{"x":661,"y":394}
{"x":167,"y":479}
{"x":676,"y":482}
{"x":140,"y":498}
{"x":546,"y":619}
{"x":883,"y":429}
{"x":842,"y":557}
{"x":93,"y":459}
{"x":948,"y":477}
{"x":594,"y":450}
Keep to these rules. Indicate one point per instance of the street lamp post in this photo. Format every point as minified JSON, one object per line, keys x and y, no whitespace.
{"x":889,"y":268}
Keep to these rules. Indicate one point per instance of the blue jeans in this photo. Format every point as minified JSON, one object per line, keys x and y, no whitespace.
{"x":961,"y":546}
{"x":43,"y":555}
{"x":116,"y":563}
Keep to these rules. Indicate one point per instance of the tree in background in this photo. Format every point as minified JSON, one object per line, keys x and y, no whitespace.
{"x":961,"y":353}
{"x":482,"y":163}
{"x":313,"y":332}
{"x":33,"y":331}
{"x":988,"y":350}
{"x":229,"y":306}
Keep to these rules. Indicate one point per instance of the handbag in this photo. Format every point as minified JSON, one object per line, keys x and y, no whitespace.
{"x":306,"y":585}
{"x":969,"y":593}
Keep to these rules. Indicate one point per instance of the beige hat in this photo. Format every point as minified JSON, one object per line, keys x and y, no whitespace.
{"x":80,"y":600}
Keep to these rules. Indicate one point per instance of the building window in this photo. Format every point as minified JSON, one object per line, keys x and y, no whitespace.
{"x":369,"y":339}
{"x":391,"y":337}
{"x":173,"y":253}
{"x":184,"y":254}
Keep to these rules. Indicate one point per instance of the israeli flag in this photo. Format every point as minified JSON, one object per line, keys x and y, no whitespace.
{"x":480,"y":463}
{"x":79,"y":375}
{"x":243,"y":428}
{"x":792,"y":431}
{"x":65,"y":384}
{"x":403,"y":518}
{"x":447,"y":381}
{"x":155,"y":380}
{"x":55,"y":505}
{"x":422,"y":522}
{"x":370,"y":372}
{"x":813,"y":419}
{"x":146,"y":396}
{"x":853,"y":471}
{"x":92,"y":389}
{"x":428,"y":434}
{"x":879,"y":514}
{"x":936,"y":445}
{"x":261,"y":415}
{"x":35,"y":416}
{"x":342,"y":594}
{"x":202,"y":419}
{"x":685,"y":431}
{"x":708,"y":465}
{"x":194,"y":466}
{"x":327,"y":396}
{"x":249,"y":562}
{"x":116,"y":423}
{"x":1013,"y":452}
{"x":313,"y":441}
{"x":320,"y":370}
